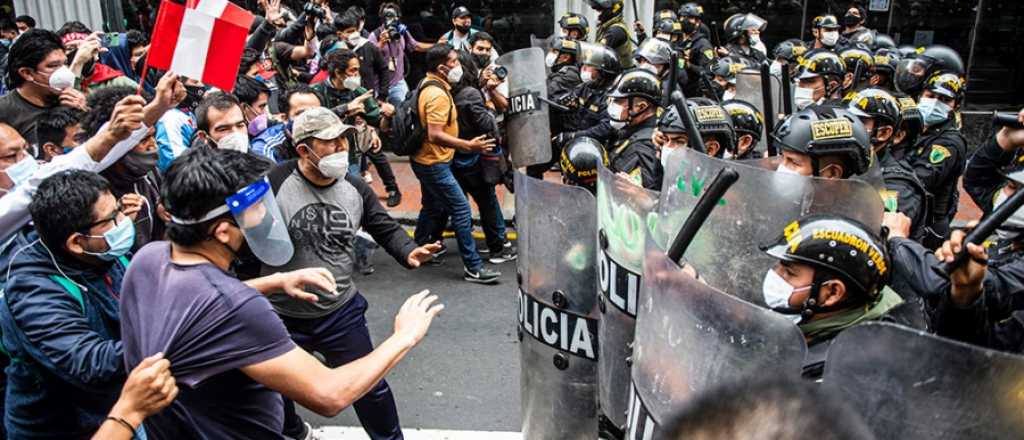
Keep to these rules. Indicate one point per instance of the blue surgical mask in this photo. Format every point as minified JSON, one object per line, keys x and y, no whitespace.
{"x":119,"y":241}
{"x":933,"y":111}
{"x":23,"y":170}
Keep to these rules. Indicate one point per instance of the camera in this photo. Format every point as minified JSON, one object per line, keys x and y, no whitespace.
{"x":312,"y":10}
{"x":394,"y":28}
{"x":500,"y":72}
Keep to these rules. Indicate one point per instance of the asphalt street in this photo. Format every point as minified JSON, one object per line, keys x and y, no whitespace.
{"x":465,"y":373}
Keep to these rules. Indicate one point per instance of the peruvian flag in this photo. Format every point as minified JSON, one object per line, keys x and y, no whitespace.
{"x":194,"y":43}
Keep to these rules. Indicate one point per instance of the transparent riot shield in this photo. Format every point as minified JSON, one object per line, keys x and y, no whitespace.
{"x":910,"y":385}
{"x":748,"y":88}
{"x":526,"y":120}
{"x":691,"y":337}
{"x":755,"y":210}
{"x":625,"y":212}
{"x":558,"y":314}
{"x":543,"y":43}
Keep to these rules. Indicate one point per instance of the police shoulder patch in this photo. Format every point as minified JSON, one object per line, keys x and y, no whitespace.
{"x":635,"y":177}
{"x":891,"y":200}
{"x":709,"y":54}
{"x":939,"y":153}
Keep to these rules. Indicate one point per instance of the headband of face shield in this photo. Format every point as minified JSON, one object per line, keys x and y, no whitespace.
{"x":256,"y":213}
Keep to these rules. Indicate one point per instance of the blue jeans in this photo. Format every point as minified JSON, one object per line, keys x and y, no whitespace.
{"x":343,"y":337}
{"x":397,"y":92}
{"x":442,"y":196}
{"x":491,"y":218}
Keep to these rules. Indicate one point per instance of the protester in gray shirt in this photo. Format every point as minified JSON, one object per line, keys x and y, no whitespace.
{"x":323,"y":208}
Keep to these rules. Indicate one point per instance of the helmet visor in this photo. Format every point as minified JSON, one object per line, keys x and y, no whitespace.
{"x":910,"y":74}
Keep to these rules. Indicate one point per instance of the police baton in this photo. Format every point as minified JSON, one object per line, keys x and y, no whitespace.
{"x":693,"y":139}
{"x":674,"y":77}
{"x":769,"y":106}
{"x":1006,"y":119}
{"x":985,"y":228}
{"x":787,"y":94}
{"x":724,"y":180}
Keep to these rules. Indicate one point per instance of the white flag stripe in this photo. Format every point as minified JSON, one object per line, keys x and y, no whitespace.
{"x":357,"y":433}
{"x":212,"y":7}
{"x":193,"y":43}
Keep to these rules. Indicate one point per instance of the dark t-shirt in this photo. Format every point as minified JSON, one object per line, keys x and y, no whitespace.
{"x":208,"y":325}
{"x":20,"y":114}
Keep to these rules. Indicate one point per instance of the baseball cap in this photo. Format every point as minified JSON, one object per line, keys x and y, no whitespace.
{"x":460,"y":12}
{"x":320,"y":123}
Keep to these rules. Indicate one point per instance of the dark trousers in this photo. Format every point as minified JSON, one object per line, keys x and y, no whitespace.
{"x":343,"y":337}
{"x":491,"y":219}
{"x":380,"y":161}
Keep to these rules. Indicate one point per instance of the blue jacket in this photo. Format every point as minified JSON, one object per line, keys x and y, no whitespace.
{"x":63,"y":338}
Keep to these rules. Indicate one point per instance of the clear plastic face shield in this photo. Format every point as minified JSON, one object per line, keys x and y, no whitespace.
{"x":256,"y":212}
{"x":910,"y":74}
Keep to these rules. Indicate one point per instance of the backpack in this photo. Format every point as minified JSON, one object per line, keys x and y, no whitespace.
{"x":407,"y":131}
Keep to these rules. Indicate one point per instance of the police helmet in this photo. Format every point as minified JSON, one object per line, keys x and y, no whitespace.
{"x":911,"y":73}
{"x":855,"y":57}
{"x":671,"y":123}
{"x":840,"y":245}
{"x":654,"y":51}
{"x":665,"y":14}
{"x":949,"y":85}
{"x":746,"y":119}
{"x":737,"y":25}
{"x":575,"y":22}
{"x":601,"y":57}
{"x":637,"y":83}
{"x":883,"y":41}
{"x":691,"y":10}
{"x":821,"y":62}
{"x":579,"y":161}
{"x":910,"y":118}
{"x":603,"y":5}
{"x":566,"y":45}
{"x":885,"y":61}
{"x":826,"y":131}
{"x":790,"y":50}
{"x":825,"y":22}
{"x":728,"y":67}
{"x":876,"y":104}
{"x":668,"y":26}
{"x":713,"y":121}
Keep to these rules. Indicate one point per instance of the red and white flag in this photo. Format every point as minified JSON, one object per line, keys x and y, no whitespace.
{"x":224,"y":10}
{"x":194,"y":43}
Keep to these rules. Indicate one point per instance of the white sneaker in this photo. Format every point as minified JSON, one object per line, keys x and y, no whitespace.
{"x":367,"y":177}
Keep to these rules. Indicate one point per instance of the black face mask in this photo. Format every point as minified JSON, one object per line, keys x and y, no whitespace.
{"x":462,"y":29}
{"x":718,"y":89}
{"x":193,"y":95}
{"x":689,"y":27}
{"x":850,"y":20}
{"x":482,"y":60}
{"x":138,"y":165}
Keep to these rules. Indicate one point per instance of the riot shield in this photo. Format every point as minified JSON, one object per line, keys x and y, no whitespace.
{"x":748,"y":88}
{"x":557,"y":309}
{"x":911,"y":385}
{"x":526,"y":120}
{"x":691,"y":337}
{"x":624,"y":214}
{"x":543,"y":43}
{"x":755,"y":210}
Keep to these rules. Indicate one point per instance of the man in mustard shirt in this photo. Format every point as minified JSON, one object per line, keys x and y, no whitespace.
{"x":442,"y":196}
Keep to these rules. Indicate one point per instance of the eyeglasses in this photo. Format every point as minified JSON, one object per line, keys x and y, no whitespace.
{"x":118,"y":209}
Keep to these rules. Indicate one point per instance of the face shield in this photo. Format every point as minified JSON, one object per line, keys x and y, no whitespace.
{"x":910,"y":74}
{"x":256,"y":213}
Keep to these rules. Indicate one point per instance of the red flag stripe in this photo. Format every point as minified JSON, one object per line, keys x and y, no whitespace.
{"x":223,"y":57}
{"x":235,"y":14}
{"x":165,"y":35}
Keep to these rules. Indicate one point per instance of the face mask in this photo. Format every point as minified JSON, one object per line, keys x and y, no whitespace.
{"x":137,"y":164}
{"x":728,"y":94}
{"x":1017,"y":219}
{"x":22,"y":170}
{"x":830,"y":38}
{"x":615,"y":111}
{"x":258,"y":124}
{"x":352,"y":82}
{"x":62,"y":78}
{"x":665,"y":152}
{"x":786,"y":170}
{"x":665,"y":37}
{"x":354,"y":39}
{"x":237,"y":141}
{"x":777,"y":292}
{"x":565,"y":33}
{"x":803,"y":97}
{"x":754,"y":39}
{"x":775,"y":69}
{"x":462,"y":29}
{"x":933,"y":111}
{"x":455,"y":75}
{"x":689,"y":27}
{"x":648,"y":67}
{"x":587,"y":77}
{"x":850,"y":20}
{"x":193,"y":95}
{"x":119,"y":241}
{"x":482,"y":60}
{"x":333,"y":166}
{"x":550,"y":59}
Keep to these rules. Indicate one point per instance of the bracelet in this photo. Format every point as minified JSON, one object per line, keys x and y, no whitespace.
{"x":123,"y":422}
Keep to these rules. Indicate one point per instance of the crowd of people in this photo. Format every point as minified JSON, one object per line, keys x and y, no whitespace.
{"x":151,"y":224}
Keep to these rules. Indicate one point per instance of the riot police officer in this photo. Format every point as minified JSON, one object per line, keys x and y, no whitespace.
{"x":669,"y":30}
{"x":723,"y":76}
{"x":910,"y":127}
{"x":612,"y":30}
{"x":713,"y":124}
{"x":697,"y":50}
{"x":883,"y":69}
{"x":598,"y":69}
{"x":831,"y":275}
{"x":823,"y":141}
{"x":904,"y":192}
{"x":663,"y":20}
{"x":748,"y":122}
{"x":633,"y":108}
{"x":694,"y":14}
{"x":941,"y":153}
{"x":579,"y":161}
{"x":825,"y":30}
{"x":563,"y":80}
{"x":574,"y":27}
{"x":858,"y":61}
{"x":787,"y":56}
{"x":822,"y":78}
{"x":743,"y":33}
{"x":656,"y":56}
{"x":915,"y":68}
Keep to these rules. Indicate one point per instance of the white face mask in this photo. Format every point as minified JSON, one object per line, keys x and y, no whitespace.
{"x":587,"y":77}
{"x":334,"y":166}
{"x":777,"y":291}
{"x":648,"y":67}
{"x":803,"y":97}
{"x":354,"y":39}
{"x":616,"y":110}
{"x":830,"y":38}
{"x":565,"y":33}
{"x":665,"y":152}
{"x":455,"y":75}
{"x":22,"y":170}
{"x":550,"y":59}
{"x":1017,"y":219}
{"x":754,"y":39}
{"x":728,"y":94}
{"x":62,"y":78}
{"x":352,"y":82}
{"x":237,"y":141}
{"x":786,"y":170}
{"x":776,"y":68}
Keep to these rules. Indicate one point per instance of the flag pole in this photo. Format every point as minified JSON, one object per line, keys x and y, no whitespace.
{"x":142,"y":79}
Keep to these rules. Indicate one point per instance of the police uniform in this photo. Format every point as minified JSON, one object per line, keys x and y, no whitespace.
{"x":614,"y":34}
{"x":564,"y":79}
{"x":905,"y":193}
{"x":592,"y":117}
{"x":752,"y":56}
{"x":699,"y":54}
{"x":983,"y":181}
{"x":635,"y":154}
{"x":939,"y":160}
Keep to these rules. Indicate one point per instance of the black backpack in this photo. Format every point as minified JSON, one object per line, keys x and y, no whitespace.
{"x":407,"y":132}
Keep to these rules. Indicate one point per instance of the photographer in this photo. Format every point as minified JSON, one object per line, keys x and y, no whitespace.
{"x":294,"y":46}
{"x":394,"y":41}
{"x":492,"y":76}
